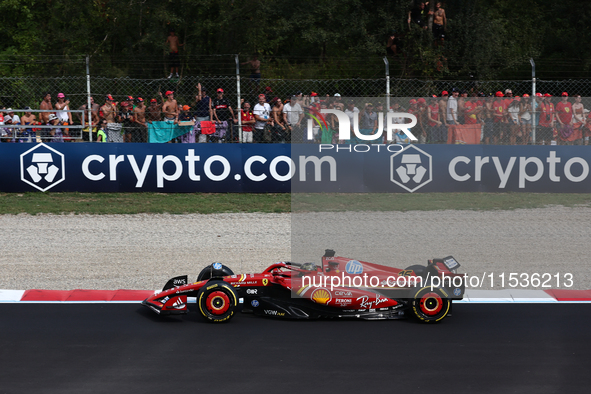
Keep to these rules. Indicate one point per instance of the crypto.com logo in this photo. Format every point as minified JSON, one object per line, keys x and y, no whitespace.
{"x":345,"y":124}
{"x":411,"y":170}
{"x":42,"y":167}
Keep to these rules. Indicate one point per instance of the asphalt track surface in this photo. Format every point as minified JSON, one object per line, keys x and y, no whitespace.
{"x":125,"y":348}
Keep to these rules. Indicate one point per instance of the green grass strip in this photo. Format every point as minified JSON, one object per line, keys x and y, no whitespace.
{"x":178,"y":203}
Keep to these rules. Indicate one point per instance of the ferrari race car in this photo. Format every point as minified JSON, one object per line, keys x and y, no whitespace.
{"x":338,"y":288}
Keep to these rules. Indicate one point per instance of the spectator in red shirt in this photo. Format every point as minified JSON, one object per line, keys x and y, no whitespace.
{"x":470,"y":111}
{"x":547,"y":119}
{"x":564,"y":115}
{"x":247,"y":119}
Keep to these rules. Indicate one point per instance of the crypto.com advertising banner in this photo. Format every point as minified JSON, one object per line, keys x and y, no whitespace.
{"x":167,"y":168}
{"x":354,"y":168}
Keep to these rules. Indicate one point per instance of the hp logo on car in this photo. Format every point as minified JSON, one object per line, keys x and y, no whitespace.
{"x":354,"y":267}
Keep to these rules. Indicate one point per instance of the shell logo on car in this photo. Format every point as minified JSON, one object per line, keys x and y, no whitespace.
{"x":321,"y":296}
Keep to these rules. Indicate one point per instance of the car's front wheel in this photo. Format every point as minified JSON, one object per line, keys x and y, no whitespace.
{"x":217,"y":301}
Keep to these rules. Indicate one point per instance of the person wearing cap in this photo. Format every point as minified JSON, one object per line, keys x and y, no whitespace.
{"x":223,"y":112}
{"x":109,"y":112}
{"x":47,"y":106}
{"x":369,"y":121}
{"x":125,"y":117}
{"x":338,"y":103}
{"x":500,"y":125}
{"x":564,"y":116}
{"x":153,"y":111}
{"x":55,"y":134}
{"x":508,"y":96}
{"x":443,"y":108}
{"x":139,"y":117}
{"x":547,"y":120}
{"x":170,"y":107}
{"x":62,"y":109}
{"x":11,"y":119}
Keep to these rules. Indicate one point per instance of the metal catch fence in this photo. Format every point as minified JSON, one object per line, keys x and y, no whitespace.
{"x":18,"y":93}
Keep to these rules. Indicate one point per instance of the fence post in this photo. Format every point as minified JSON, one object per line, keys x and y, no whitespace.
{"x":238,"y":108}
{"x":387,"y":83}
{"x":533,"y":98}
{"x":88,"y":106}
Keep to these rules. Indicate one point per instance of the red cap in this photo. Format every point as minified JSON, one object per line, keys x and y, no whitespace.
{"x":110,"y":98}
{"x":565,"y":94}
{"x":526,"y":95}
{"x":547,"y":95}
{"x":130,"y":98}
{"x":268,"y":89}
{"x":124,"y":104}
{"x":499,"y":94}
{"x":413,"y":101}
{"x":262,"y":95}
{"x":140,"y":99}
{"x":220,"y":90}
{"x":153,"y":101}
{"x":421,"y":100}
{"x":517,"y":98}
{"x":169,"y":92}
{"x":444,"y":93}
{"x":538,"y":94}
{"x":186,"y":108}
{"x":313,"y":94}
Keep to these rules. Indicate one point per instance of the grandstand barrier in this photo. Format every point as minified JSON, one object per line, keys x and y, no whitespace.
{"x":284,"y":168}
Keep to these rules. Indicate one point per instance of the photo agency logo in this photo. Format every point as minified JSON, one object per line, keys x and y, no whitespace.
{"x":349,"y":127}
{"x":42,"y":167}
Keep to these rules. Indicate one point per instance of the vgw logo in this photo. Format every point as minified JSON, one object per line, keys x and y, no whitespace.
{"x":42,"y":167}
{"x":411,"y":168}
{"x":345,"y":124}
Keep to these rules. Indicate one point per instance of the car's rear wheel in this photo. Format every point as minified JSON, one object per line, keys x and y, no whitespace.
{"x":430,"y":304}
{"x":217,"y":301}
{"x":215,"y":270}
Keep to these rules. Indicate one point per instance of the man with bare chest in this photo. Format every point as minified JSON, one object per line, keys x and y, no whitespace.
{"x":439,"y":23}
{"x":154,"y":112}
{"x":173,"y":45}
{"x":139,"y":117}
{"x":109,"y":113}
{"x":46,"y":105}
{"x":170,"y":108}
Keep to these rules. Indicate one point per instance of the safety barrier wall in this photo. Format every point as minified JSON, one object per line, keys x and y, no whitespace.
{"x":283,"y":168}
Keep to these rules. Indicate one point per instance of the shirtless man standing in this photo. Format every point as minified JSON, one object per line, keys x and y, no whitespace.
{"x":109,"y":113}
{"x":255,"y":69}
{"x":170,"y":107}
{"x":46,"y":105}
{"x":173,"y":45}
{"x":439,"y":24}
{"x":154,"y":111}
{"x":139,"y":116}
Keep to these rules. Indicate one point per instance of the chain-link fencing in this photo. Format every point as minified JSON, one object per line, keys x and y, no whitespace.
{"x":517,"y":126}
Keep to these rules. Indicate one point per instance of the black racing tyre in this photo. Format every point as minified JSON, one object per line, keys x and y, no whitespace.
{"x":217,"y":301}
{"x":430,"y":304}
{"x":211,"y":272}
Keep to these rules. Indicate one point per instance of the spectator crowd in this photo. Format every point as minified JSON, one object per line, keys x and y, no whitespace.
{"x":499,"y":118}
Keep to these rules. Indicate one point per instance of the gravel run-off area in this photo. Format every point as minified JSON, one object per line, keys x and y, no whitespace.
{"x":144,"y":251}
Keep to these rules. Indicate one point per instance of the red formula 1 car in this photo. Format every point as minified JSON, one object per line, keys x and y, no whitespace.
{"x":340,"y":287}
